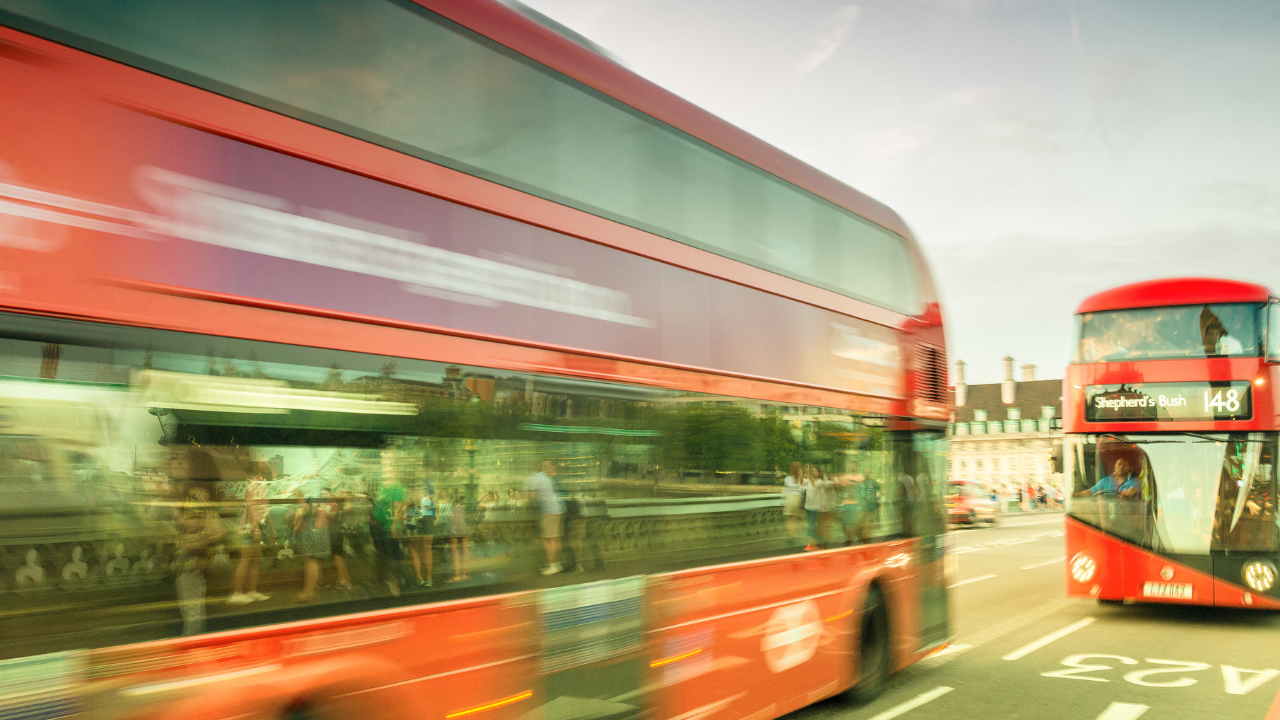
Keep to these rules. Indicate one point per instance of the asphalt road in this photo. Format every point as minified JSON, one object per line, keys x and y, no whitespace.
{"x":1022,"y":650}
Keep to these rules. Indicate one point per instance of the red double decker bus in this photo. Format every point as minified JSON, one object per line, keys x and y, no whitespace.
{"x":1171,"y":445}
{"x":380,"y":358}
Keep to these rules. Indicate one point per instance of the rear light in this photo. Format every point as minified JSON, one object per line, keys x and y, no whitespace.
{"x":1083,"y":568}
{"x":1259,"y":575}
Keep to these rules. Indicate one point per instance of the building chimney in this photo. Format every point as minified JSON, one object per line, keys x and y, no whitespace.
{"x":962,"y":390}
{"x":1028,"y":373}
{"x":1008,"y":388}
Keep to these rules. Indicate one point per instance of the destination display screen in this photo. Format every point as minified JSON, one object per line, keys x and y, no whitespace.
{"x":1184,"y":401}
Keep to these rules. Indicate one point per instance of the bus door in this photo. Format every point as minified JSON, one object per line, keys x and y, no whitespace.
{"x":592,"y":664}
{"x":1168,"y":519}
{"x":1245,"y":532}
{"x":921,"y":463}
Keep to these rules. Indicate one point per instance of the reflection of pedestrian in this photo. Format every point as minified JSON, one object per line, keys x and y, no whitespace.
{"x":459,"y":534}
{"x":575,"y":529}
{"x":199,"y":530}
{"x":909,"y":494}
{"x":814,"y":488}
{"x":793,"y":499}
{"x":339,"y":529}
{"x":311,"y":537}
{"x":868,"y":493}
{"x":541,"y":490}
{"x":420,"y":526}
{"x":847,"y":512}
{"x":252,"y":528}
{"x":387,"y":525}
{"x":514,"y":501}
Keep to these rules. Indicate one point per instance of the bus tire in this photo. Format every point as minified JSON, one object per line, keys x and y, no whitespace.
{"x":300,"y":711}
{"x":873,"y":650}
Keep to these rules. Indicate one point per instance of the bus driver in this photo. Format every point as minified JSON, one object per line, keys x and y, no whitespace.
{"x":1120,"y":482}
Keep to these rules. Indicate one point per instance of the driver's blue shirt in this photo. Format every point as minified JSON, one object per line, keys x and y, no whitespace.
{"x":1108,"y":486}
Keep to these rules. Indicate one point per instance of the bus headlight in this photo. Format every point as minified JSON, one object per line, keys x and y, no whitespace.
{"x":1259,"y":575}
{"x":1083,"y":568}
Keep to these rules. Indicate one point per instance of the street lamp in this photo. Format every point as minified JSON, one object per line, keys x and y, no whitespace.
{"x":472,"y":498}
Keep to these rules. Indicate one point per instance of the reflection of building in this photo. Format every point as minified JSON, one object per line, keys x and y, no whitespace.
{"x":1002,"y":434}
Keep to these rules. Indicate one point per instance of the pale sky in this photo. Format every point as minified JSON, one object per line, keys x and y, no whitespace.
{"x":1041,"y":150}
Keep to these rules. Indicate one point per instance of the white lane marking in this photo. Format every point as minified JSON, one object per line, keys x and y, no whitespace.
{"x":971,"y":580}
{"x":1042,"y":522}
{"x":1055,"y":635}
{"x":1123,"y":711}
{"x":1018,"y":622}
{"x":1233,"y":683}
{"x":914,"y":703}
{"x":1000,"y":543}
{"x":1046,"y":562}
{"x":948,"y":650}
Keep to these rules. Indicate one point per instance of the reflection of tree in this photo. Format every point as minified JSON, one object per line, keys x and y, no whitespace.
{"x":703,"y":438}
{"x":779,"y":447}
{"x":711,"y":438}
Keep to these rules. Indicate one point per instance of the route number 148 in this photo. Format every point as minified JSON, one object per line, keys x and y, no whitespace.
{"x":1230,"y":405}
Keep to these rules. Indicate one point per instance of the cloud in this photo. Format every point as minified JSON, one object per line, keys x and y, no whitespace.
{"x":1259,"y":200}
{"x":1015,"y":294}
{"x":963,"y":5}
{"x":972,"y":97}
{"x":841,"y":24}
{"x":895,"y":141}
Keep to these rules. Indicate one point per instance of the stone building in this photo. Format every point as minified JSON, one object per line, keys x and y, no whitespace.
{"x":1002,"y":434}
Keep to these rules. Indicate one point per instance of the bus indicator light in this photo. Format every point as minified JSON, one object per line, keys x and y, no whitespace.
{"x":1083,"y":568}
{"x":1259,"y":575}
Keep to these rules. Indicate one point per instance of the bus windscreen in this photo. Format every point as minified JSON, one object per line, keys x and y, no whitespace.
{"x":1181,"y":493}
{"x":1183,"y":331}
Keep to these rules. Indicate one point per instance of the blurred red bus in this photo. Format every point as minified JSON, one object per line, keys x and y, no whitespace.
{"x":1171,"y":445}
{"x":298,"y":299}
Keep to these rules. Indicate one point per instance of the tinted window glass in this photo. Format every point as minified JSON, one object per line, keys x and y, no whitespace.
{"x":1273,"y":331}
{"x":1184,"y":331}
{"x":400,"y":76}
{"x":1177,"y":493}
{"x":135,"y":462}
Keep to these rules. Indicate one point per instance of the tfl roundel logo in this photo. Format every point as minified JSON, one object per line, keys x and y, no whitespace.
{"x":791,"y":636}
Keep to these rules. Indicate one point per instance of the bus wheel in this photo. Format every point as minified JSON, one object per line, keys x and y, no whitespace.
{"x":873,"y":650}
{"x":300,"y":711}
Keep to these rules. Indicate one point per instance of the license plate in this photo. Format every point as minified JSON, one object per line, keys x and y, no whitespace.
{"x":951,"y":505}
{"x":1179,"y":591}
